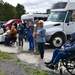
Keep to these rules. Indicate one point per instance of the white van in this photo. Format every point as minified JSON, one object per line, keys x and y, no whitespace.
{"x":60,"y":24}
{"x":33,"y":17}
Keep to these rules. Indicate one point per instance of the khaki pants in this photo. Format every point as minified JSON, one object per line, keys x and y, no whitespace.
{"x":35,"y":45}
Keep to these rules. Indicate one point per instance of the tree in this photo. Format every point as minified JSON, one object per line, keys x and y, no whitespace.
{"x":20,"y":10}
{"x":1,"y":12}
{"x":8,"y":11}
{"x":1,"y":1}
{"x":48,"y":11}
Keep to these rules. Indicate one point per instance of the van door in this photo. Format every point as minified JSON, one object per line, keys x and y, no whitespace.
{"x":69,"y":25}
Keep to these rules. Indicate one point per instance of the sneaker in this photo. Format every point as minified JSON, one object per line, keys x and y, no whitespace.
{"x":40,"y":58}
{"x":50,"y":66}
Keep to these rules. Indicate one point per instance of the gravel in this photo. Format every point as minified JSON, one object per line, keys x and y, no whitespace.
{"x":12,"y":67}
{"x":8,"y":67}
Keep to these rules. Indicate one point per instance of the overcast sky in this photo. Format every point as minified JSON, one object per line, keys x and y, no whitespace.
{"x":35,"y":5}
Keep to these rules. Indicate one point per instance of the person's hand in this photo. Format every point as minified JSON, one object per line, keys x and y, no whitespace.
{"x":34,"y":35}
{"x":8,"y":33}
{"x":37,"y":33}
{"x":62,"y":48}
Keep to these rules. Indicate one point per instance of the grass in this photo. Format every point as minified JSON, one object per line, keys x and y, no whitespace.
{"x":28,"y":69}
{"x":2,"y":73}
{"x":28,"y":51}
{"x":22,"y":63}
{"x":5,"y":55}
{"x":32,"y":71}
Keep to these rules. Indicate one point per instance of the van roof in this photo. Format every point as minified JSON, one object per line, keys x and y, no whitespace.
{"x":70,"y":6}
{"x":33,"y":15}
{"x":63,"y":6}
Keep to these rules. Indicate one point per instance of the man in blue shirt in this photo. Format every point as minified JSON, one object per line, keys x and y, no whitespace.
{"x":66,"y":48}
{"x":21,"y":35}
{"x":30,"y":36}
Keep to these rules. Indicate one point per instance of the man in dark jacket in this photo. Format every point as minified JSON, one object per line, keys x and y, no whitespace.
{"x":15,"y":24}
{"x":25,"y":30}
{"x":21,"y":35}
{"x":69,"y":46}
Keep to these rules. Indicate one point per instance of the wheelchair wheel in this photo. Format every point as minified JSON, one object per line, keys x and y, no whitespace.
{"x":13,"y":43}
{"x":70,"y":65}
{"x":60,"y":68}
{"x":17,"y":43}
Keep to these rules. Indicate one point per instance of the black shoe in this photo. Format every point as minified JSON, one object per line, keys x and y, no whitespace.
{"x":50,"y":66}
{"x":47,"y":63}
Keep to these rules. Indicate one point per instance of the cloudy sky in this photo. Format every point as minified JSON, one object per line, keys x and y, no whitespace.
{"x":35,"y":5}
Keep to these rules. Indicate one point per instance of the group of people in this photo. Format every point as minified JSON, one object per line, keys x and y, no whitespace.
{"x":10,"y":34}
{"x":34,"y":32}
{"x":36,"y":37}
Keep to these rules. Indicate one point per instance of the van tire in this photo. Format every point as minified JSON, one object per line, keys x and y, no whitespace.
{"x":56,"y":41}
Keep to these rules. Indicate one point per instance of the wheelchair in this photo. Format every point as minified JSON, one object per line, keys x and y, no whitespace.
{"x":13,"y":40}
{"x":68,"y":63}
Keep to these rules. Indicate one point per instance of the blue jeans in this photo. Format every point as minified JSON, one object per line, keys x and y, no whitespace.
{"x":57,"y":55}
{"x":41,"y":49}
{"x":31,"y":43}
{"x":7,"y":40}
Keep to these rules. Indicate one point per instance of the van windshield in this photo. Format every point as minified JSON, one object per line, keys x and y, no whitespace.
{"x":57,"y":16}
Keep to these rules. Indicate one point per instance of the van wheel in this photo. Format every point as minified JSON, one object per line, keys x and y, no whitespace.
{"x":56,"y":41}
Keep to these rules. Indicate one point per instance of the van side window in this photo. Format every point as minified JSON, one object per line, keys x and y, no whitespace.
{"x":45,"y":19}
{"x":69,"y":17}
{"x":35,"y":18}
{"x":40,"y":18}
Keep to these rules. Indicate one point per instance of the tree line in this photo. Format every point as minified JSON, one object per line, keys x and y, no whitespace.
{"x":8,"y":11}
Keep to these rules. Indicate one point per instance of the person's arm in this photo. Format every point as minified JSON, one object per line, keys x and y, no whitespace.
{"x":65,"y":45}
{"x":71,"y":48}
{"x":6,"y":32}
{"x":42,"y":33}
